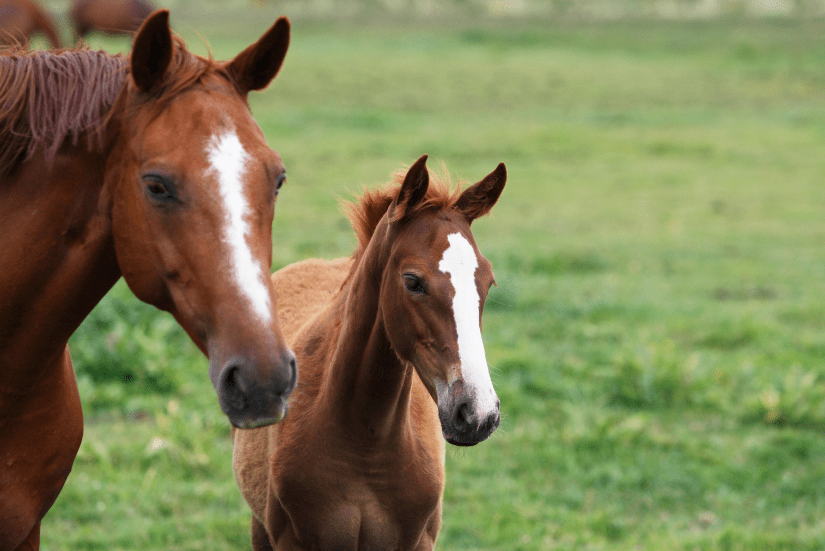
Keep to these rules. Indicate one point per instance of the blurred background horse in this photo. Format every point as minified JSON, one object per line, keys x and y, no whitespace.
{"x":20,"y":19}
{"x":108,"y":16}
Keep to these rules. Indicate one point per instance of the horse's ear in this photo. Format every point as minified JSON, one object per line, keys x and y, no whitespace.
{"x":152,"y":51}
{"x":256,"y":66}
{"x":479,"y":198}
{"x":412,"y":190}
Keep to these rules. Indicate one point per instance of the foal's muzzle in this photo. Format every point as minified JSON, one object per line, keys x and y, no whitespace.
{"x":463,"y":423}
{"x":250,"y":400}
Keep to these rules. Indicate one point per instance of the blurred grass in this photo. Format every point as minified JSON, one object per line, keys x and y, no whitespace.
{"x":658,"y":331}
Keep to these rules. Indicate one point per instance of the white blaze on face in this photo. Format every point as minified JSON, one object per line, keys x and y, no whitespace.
{"x":460,"y":262}
{"x":228,"y":160}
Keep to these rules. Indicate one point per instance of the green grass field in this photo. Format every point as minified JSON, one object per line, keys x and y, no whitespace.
{"x":658,"y":333}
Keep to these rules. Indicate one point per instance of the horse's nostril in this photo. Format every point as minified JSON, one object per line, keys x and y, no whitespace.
{"x":232,"y":387}
{"x":229,"y":377}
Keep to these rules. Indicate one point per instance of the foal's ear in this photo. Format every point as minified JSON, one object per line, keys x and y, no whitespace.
{"x":152,"y":51}
{"x":256,"y":66}
{"x":412,"y":190}
{"x":479,"y":198}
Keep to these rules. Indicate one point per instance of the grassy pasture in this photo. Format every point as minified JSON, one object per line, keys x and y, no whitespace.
{"x":658,"y":331}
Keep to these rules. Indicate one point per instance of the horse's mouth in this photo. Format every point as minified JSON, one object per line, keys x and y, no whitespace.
{"x":263,"y":420}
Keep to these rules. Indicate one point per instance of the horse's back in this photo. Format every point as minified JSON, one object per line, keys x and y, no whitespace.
{"x":305,"y":288}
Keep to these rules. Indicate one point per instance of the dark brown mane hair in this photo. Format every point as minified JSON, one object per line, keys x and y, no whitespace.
{"x":47,"y":97}
{"x":365,"y":212}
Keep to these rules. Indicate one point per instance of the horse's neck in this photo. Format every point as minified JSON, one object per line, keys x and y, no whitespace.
{"x":58,"y":259}
{"x":366,"y":384}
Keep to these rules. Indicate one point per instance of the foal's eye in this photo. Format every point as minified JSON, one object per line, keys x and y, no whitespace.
{"x":414,"y":284}
{"x":159,"y":187}
{"x":280,"y":181}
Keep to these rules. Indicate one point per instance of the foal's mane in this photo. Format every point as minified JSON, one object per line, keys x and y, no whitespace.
{"x":47,"y":97}
{"x":365,"y":212}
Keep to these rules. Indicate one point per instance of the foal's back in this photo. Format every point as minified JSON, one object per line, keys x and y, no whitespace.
{"x":305,"y":288}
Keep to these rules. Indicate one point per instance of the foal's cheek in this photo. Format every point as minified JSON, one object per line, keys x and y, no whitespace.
{"x":411,"y":336}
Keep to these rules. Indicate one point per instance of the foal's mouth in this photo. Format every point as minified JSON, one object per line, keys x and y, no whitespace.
{"x":455,"y":442}
{"x":473,"y":436}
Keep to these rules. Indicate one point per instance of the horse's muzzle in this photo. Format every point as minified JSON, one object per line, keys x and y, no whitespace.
{"x":251,"y":401}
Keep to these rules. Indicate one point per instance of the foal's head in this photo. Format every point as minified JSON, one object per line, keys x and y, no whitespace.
{"x":193,"y":187}
{"x":434,"y":285}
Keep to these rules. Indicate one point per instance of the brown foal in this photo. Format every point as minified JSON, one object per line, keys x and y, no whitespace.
{"x":392,"y":364}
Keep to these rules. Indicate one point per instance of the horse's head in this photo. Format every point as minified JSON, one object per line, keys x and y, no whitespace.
{"x":432,"y":297}
{"x":193,"y":186}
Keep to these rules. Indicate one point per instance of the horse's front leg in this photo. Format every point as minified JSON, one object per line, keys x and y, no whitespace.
{"x":38,"y":445}
{"x":32,"y":541}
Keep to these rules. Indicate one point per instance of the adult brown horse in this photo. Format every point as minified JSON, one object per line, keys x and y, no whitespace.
{"x":382,"y":338}
{"x":151,"y":167}
{"x":20,"y":19}
{"x":109,"y":16}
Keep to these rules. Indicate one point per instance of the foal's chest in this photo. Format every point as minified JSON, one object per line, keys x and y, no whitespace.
{"x":367,"y":509}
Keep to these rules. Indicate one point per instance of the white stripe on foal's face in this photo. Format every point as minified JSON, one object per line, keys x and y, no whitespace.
{"x":228,"y":160}
{"x":460,"y":262}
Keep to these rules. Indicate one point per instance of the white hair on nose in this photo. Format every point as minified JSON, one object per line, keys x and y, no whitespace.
{"x":228,"y":161}
{"x":459,"y":260}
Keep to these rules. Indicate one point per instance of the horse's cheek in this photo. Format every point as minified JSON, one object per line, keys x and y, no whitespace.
{"x":133,"y":248}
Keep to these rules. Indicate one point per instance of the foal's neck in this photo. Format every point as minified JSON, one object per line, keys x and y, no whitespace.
{"x":367,"y":384}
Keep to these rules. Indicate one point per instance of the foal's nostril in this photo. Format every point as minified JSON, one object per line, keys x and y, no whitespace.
{"x":491,"y":423}
{"x":463,"y":415}
{"x":292,"y":362}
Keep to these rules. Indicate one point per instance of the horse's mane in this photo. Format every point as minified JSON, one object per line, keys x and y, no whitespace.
{"x":365,"y":212}
{"x":47,"y":97}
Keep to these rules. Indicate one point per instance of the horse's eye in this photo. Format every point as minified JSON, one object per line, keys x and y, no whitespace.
{"x":280,"y":181}
{"x":414,"y":284}
{"x":159,"y":187}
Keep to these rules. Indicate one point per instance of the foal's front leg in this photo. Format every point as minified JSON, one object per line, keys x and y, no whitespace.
{"x":260,"y":537}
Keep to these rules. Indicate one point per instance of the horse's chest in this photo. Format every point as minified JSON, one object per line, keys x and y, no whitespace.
{"x":348,"y":511}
